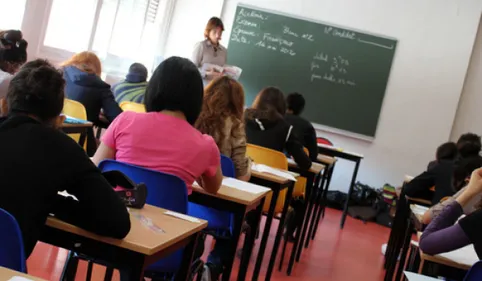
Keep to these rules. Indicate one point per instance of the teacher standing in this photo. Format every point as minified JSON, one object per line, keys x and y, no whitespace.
{"x":210,"y":50}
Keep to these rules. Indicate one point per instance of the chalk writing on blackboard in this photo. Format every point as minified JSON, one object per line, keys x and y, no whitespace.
{"x":287,"y":31}
{"x":252,"y":14}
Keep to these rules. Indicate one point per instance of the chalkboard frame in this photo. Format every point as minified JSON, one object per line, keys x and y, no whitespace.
{"x":321,"y":127}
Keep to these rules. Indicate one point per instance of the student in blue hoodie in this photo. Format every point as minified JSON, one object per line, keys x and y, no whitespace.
{"x":83,"y":84}
{"x":134,"y":86}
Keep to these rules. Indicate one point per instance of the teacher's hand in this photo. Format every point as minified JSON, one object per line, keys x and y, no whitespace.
{"x":211,"y":74}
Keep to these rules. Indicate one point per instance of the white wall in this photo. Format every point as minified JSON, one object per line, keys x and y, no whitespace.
{"x":468,"y":118}
{"x":435,"y":43}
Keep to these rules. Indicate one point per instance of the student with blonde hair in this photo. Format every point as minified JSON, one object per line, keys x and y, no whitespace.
{"x":83,"y":84}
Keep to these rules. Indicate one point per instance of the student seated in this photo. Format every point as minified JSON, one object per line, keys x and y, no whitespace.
{"x":13,"y":53}
{"x":133,"y":87}
{"x":440,"y":175}
{"x":222,"y":118}
{"x":163,"y":138}
{"x":463,"y":170}
{"x":38,"y":161}
{"x":443,"y":235}
{"x":446,"y":151}
{"x":265,"y":126}
{"x":83,"y":84}
{"x":302,"y":128}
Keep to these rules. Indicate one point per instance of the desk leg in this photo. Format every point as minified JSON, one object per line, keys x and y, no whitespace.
{"x":249,"y":242}
{"x":353,"y":179}
{"x":91,"y":142}
{"x":264,"y":239}
{"x":324,"y":194}
{"x":306,"y":216}
{"x":239,"y":219}
{"x":317,"y":204}
{"x":135,"y":272}
{"x":403,"y":254}
{"x":279,"y":233}
{"x":183,"y":273}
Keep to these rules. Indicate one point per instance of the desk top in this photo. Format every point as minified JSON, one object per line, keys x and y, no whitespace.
{"x":77,"y":125}
{"x":142,"y":239}
{"x":462,"y":258}
{"x":315,"y":168}
{"x":325,"y":159}
{"x":7,"y":274}
{"x":407,"y":179}
{"x":418,"y":211}
{"x":234,"y":194}
{"x":340,"y":150}
{"x":269,"y":177}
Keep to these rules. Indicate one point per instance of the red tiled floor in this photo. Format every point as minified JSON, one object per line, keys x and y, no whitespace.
{"x":334,"y":255}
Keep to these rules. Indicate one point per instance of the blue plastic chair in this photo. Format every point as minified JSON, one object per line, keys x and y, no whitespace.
{"x":219,"y":222}
{"x":475,"y":272}
{"x":164,"y":191}
{"x":12,"y":254}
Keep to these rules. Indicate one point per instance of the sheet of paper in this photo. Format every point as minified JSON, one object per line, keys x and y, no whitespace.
{"x":418,"y":210}
{"x":267,"y":169}
{"x":182,"y":216}
{"x":19,"y":278}
{"x":232,"y":71}
{"x":244,"y":186}
{"x":210,"y":66}
{"x":417,"y":277}
{"x":465,"y":255}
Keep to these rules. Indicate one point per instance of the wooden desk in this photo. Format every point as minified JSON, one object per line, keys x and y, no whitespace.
{"x":276,"y":184}
{"x":140,"y":248}
{"x":350,"y":156}
{"x":237,"y":202}
{"x":325,"y":159}
{"x":7,"y":274}
{"x":311,"y":193}
{"x":452,"y":259}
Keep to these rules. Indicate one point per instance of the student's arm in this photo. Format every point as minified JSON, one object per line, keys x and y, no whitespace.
{"x":242,"y":163}
{"x":110,"y":106}
{"x":103,"y":152}
{"x":295,"y":149}
{"x":419,"y":186}
{"x":311,"y":143}
{"x":107,"y":147}
{"x":212,"y":177}
{"x":98,"y":209}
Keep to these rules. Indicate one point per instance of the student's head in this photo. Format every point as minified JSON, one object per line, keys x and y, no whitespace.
{"x":446,"y":151}
{"x":295,"y":103}
{"x":463,"y":169}
{"x":270,"y":102}
{"x":214,"y":30}
{"x":175,"y":85}
{"x":13,"y":50}
{"x":37,"y":90}
{"x":223,"y":98}
{"x":85,"y":61}
{"x":469,"y":145}
{"x":137,"y":73}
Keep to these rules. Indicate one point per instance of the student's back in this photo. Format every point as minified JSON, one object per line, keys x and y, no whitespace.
{"x":38,"y":161}
{"x":133,"y":87}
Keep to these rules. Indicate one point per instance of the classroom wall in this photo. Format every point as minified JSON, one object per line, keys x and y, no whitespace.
{"x":435,"y":44}
{"x":469,"y":113}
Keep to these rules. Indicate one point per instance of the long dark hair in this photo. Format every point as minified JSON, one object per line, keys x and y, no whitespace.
{"x":269,"y":104}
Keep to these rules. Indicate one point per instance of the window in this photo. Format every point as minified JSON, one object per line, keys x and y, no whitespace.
{"x":12,"y":14}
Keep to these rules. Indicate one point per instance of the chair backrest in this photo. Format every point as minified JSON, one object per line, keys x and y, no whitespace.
{"x":77,"y":110}
{"x":12,"y":254}
{"x":266,"y":156}
{"x":227,"y":166}
{"x":163,"y":190}
{"x":324,"y":141}
{"x":475,"y":272}
{"x":132,"y":106}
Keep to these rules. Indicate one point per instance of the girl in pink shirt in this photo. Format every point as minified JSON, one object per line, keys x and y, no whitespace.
{"x":163,"y":138}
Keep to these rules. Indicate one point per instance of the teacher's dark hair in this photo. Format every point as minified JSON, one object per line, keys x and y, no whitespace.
{"x":269,"y":104}
{"x":213,"y":23}
{"x":175,"y":85}
{"x":38,"y":90}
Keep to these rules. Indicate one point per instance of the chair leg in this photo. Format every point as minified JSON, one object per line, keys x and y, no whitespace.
{"x":70,"y":267}
{"x":90,"y":266}
{"x":109,"y":271}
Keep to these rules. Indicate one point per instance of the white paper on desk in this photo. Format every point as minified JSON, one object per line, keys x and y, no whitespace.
{"x":19,"y":278}
{"x":417,"y":277}
{"x":418,"y":210}
{"x":182,"y":216}
{"x":244,"y":186}
{"x":267,"y":169}
{"x":465,"y":255}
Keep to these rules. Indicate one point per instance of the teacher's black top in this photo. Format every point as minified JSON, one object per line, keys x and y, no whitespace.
{"x":36,"y":163}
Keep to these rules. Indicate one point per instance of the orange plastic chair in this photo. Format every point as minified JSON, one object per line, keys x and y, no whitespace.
{"x":274,"y":159}
{"x":132,"y":106}
{"x":77,"y":110}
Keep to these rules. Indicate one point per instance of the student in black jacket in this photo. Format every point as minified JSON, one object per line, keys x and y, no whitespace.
{"x":302,"y":128}
{"x":38,"y":161}
{"x":440,"y":174}
{"x":265,"y":126}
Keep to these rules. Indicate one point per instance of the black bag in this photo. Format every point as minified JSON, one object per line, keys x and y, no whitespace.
{"x":363,"y":195}
{"x":134,"y":195}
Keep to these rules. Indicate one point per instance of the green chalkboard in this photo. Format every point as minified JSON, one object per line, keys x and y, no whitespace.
{"x":342,"y":73}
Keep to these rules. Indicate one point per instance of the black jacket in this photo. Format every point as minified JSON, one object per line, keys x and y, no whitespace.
{"x":37,"y":162}
{"x":305,"y":132}
{"x":92,"y":92}
{"x":277,"y":135}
